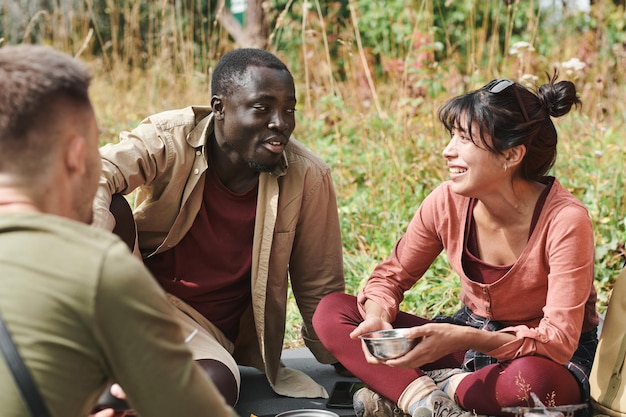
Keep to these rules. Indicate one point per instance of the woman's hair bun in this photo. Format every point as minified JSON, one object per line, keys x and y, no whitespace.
{"x":557,"y":98}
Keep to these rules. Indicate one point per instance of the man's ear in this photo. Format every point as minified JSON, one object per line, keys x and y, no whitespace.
{"x":218,"y":107}
{"x":75,"y":155}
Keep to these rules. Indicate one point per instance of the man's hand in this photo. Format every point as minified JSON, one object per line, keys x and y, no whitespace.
{"x":116,"y":394}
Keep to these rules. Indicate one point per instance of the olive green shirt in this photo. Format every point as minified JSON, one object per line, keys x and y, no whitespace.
{"x":84,"y":312}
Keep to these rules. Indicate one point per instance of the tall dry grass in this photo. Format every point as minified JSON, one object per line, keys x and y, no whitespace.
{"x":372,"y":117}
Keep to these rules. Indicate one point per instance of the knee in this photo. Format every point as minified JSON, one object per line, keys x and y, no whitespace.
{"x":550,"y":381}
{"x":509,"y":384}
{"x":223,"y":379}
{"x":328,"y":300}
{"x":329,"y":307}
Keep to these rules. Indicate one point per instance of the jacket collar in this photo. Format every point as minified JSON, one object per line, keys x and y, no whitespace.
{"x":204,"y":124}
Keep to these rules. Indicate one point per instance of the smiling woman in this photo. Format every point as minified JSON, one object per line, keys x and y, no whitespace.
{"x":523,"y":248}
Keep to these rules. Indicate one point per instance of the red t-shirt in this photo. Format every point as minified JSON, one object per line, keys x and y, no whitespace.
{"x":210,"y":267}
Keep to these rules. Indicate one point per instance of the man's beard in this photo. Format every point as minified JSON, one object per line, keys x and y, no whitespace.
{"x":261,"y":167}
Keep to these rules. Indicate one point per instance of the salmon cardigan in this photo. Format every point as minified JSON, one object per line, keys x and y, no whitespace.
{"x":546,"y":299}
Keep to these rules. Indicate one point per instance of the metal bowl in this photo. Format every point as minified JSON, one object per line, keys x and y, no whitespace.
{"x":388,"y":344}
{"x":308,"y":412}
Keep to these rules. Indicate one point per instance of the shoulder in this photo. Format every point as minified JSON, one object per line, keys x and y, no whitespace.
{"x":186,"y":117}
{"x":76,"y":250}
{"x":443,"y":199}
{"x":97,"y":248}
{"x":564,"y":217}
{"x":562,"y":203}
{"x":74,"y":233}
{"x":114,"y":267}
{"x":299,"y":157}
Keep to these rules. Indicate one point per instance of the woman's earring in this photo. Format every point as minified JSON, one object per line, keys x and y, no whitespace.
{"x":506,"y":166}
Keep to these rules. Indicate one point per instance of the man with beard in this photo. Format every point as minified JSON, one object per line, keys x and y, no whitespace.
{"x":80,"y":309}
{"x":229,"y":208}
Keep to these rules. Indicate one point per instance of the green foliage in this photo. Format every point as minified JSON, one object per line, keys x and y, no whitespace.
{"x":370,"y":78}
{"x":378,"y":34}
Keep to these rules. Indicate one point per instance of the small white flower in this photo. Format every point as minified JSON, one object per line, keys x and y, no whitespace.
{"x":528,"y":80}
{"x":572,"y":66}
{"x":521,"y":46}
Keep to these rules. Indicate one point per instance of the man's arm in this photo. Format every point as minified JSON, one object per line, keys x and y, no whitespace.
{"x":316,"y":265}
{"x":132,"y":162}
{"x":144,"y":345}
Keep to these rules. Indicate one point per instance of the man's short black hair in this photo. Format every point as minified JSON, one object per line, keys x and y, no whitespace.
{"x":236,"y":62}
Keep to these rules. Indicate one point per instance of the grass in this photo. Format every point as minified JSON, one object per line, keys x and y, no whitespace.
{"x":372,"y":116}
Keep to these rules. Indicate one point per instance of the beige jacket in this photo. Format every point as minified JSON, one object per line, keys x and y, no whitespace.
{"x":297,"y":232}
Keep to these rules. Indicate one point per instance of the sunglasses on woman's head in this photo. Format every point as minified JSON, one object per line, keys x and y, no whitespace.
{"x":501,"y":84}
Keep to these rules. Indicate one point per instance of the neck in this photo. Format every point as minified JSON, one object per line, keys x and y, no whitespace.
{"x":234,"y":176}
{"x":14,"y":202}
{"x":55,"y":196}
{"x":521,"y":201}
{"x":14,"y":195}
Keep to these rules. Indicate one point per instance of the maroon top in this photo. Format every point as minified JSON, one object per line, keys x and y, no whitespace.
{"x":210,"y":267}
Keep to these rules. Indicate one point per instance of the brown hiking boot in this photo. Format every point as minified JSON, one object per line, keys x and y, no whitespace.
{"x":445,"y":407}
{"x":438,"y":404}
{"x":368,"y":403}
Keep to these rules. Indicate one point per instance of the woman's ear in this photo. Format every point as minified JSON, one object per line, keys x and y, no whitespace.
{"x":218,"y":107}
{"x":515,"y":155}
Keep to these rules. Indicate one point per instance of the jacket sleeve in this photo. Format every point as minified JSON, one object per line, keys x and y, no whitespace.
{"x":316,"y":264}
{"x":134,"y":161}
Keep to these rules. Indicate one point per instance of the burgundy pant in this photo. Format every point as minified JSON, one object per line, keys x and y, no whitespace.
{"x":485,"y":391}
